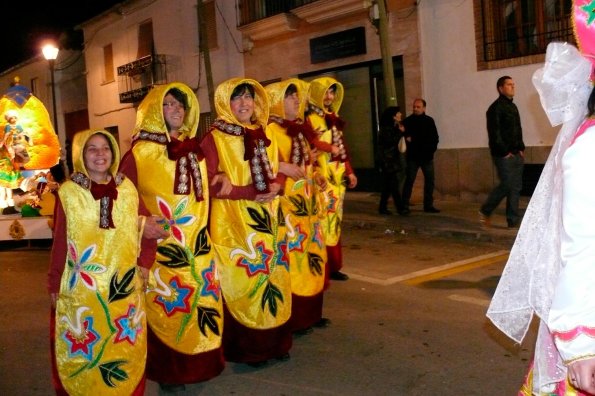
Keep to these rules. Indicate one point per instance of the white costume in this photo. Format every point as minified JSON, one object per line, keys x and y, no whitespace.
{"x":550,"y":265}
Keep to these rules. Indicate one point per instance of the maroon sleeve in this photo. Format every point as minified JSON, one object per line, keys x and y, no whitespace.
{"x":209,"y":150}
{"x":148,"y":247}
{"x":348,"y":168}
{"x":322,"y":146}
{"x":58,"y":254}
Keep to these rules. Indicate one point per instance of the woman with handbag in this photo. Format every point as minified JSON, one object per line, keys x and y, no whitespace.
{"x":392,"y":149}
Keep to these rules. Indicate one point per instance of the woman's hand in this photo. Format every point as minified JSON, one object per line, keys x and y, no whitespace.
{"x":154,"y":228}
{"x":291,"y":170}
{"x":226,"y":185}
{"x":581,"y":375}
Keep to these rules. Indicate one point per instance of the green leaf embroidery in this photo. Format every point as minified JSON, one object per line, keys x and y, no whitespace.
{"x":315,"y":263}
{"x":202,"y":245}
{"x":111,"y":372}
{"x":176,"y":255}
{"x":206,"y":318}
{"x":121,"y":289}
{"x":269,"y":297}
{"x":299,"y":203}
{"x":263,"y":221}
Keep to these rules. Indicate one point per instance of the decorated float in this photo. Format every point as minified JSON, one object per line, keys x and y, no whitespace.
{"x":29,"y":148}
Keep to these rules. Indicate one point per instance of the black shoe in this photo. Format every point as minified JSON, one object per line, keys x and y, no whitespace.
{"x":172,"y":388}
{"x":431,"y":210}
{"x":385,"y":212}
{"x":513,"y":226}
{"x":322,"y":323}
{"x":339,"y":276}
{"x":404,"y":212}
{"x":303,"y":332}
{"x":283,"y":358}
{"x":259,"y":364}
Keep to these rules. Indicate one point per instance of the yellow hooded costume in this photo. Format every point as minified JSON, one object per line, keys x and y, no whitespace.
{"x":248,"y":235}
{"x":255,"y":269}
{"x":184,"y":307}
{"x":333,"y":168}
{"x":100,"y":330}
{"x":305,"y":243}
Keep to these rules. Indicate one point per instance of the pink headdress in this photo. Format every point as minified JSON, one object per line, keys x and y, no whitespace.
{"x":583,"y":16}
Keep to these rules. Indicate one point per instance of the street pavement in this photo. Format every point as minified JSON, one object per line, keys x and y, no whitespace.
{"x":397,"y":328}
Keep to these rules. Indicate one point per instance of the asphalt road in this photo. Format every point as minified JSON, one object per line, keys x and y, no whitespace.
{"x":410,"y":321}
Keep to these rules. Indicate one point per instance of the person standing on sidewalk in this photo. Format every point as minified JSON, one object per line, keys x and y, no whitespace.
{"x":422,"y":142}
{"x":393,"y":163}
{"x":325,"y":98}
{"x":507,"y":149}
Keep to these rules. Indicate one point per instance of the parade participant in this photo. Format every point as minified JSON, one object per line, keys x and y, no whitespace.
{"x":98,"y":324}
{"x":184,"y":307}
{"x":245,"y":227}
{"x":550,"y":270}
{"x":300,"y":202}
{"x":325,"y":97}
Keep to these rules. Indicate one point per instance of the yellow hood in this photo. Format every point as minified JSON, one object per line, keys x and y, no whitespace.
{"x":276,"y":94}
{"x":318,"y":88}
{"x":149,"y":116}
{"x":223,"y":97}
{"x":78,"y":147}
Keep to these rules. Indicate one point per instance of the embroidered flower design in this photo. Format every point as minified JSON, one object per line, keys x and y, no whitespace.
{"x":178,"y":298}
{"x":129,"y":326}
{"x":317,"y":235}
{"x":282,"y":255}
{"x":332,"y":202}
{"x":296,"y":239}
{"x":176,"y":218}
{"x":81,"y":267}
{"x":80,"y":335}
{"x":256,"y":260}
{"x":211,"y":286}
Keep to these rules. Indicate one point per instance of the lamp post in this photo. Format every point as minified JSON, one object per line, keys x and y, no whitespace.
{"x":50,"y":52}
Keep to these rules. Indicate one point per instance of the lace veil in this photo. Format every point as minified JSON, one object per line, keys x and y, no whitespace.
{"x":529,"y":278}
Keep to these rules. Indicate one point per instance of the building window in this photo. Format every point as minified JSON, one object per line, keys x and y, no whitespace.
{"x":509,"y":29}
{"x":108,"y":64}
{"x":34,"y":88}
{"x":145,"y":39}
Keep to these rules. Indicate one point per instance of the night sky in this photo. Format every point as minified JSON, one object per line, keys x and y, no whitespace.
{"x":26,"y":24}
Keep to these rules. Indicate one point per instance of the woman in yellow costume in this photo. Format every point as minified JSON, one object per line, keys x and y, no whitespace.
{"x":325,"y":97}
{"x":300,"y":202}
{"x":244,"y":225}
{"x":184,"y":307}
{"x":98,"y":327}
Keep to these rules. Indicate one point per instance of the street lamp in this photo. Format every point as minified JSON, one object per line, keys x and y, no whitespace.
{"x":50,"y":52}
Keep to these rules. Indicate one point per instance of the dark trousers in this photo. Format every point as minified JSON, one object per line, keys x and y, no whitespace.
{"x":427,"y":168}
{"x":510,"y":173}
{"x":390,"y":188}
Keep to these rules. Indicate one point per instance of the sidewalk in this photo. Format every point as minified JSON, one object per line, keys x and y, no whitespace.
{"x":457,"y":219}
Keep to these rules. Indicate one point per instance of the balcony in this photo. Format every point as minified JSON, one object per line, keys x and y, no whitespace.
{"x":262,"y":19}
{"x":135,"y":79}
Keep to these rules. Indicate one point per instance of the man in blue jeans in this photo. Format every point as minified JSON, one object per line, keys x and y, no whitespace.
{"x":507,"y":149}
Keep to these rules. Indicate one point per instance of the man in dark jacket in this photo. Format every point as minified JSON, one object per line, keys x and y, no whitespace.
{"x":422,"y":142}
{"x":507,"y":150}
